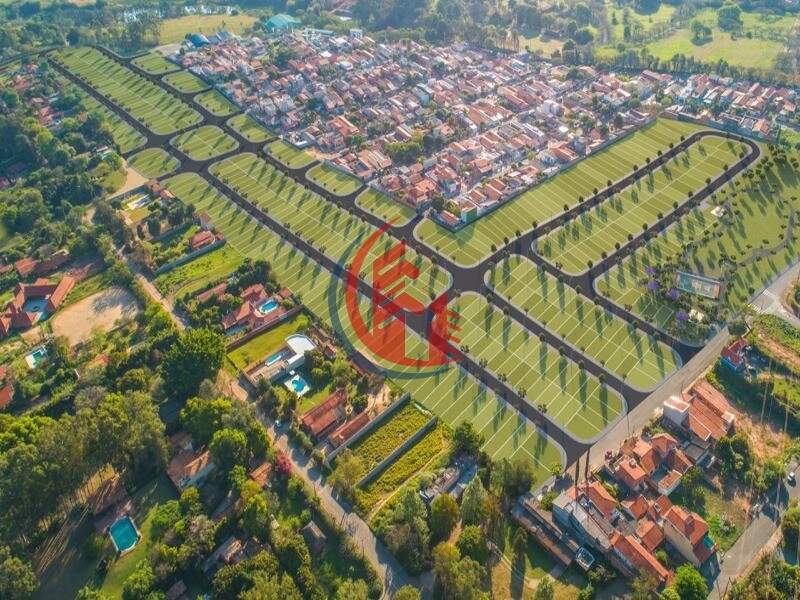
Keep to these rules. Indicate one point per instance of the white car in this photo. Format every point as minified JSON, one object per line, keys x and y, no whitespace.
{"x":791,"y":478}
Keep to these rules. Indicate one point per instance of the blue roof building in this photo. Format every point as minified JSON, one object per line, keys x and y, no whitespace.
{"x":198,"y":40}
{"x":281,"y":23}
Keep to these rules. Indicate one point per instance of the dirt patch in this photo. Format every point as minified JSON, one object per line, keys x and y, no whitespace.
{"x":780,"y":352}
{"x":100,"y":311}
{"x":133,"y":180}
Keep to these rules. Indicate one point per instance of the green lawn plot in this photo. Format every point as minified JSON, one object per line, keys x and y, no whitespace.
{"x":474,"y":242}
{"x":155,"y":64}
{"x":152,"y":106}
{"x":185,"y":82}
{"x":449,"y":391}
{"x":203,"y":143}
{"x":596,"y":233}
{"x":173,"y":31}
{"x":331,"y":229}
{"x":153,"y":162}
{"x":290,"y":156}
{"x":639,"y":21}
{"x":538,"y":561}
{"x":249,"y":128}
{"x":749,"y":245}
{"x":193,"y":275}
{"x":631,"y":354}
{"x":573,"y":399}
{"x":333,"y":180}
{"x":126,"y":138}
{"x":215,"y":103}
{"x":263,"y":345}
{"x":389,"y":436}
{"x":385,"y":207}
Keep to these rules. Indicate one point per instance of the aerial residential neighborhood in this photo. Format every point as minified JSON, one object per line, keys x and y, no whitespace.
{"x":380,"y":299}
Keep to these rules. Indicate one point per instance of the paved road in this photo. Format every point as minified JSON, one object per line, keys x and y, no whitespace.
{"x":771,"y":301}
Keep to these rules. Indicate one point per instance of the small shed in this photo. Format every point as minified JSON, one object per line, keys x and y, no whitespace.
{"x":314,"y":537}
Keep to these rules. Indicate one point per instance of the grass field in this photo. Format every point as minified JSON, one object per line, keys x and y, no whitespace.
{"x":289,"y":155}
{"x":381,"y":205}
{"x":215,"y":103}
{"x":185,"y":82}
{"x":249,"y":128}
{"x":125,"y":137}
{"x":203,"y":143}
{"x":474,"y":242}
{"x":330,"y":228}
{"x":261,"y":346}
{"x":450,"y":392}
{"x":389,"y":436}
{"x":175,"y":30}
{"x":155,"y":64}
{"x":745,"y":245}
{"x":153,"y":163}
{"x":334,"y":181}
{"x":147,"y":103}
{"x":573,"y":399}
{"x":192,"y":276}
{"x":627,"y":352}
{"x":596,"y":233}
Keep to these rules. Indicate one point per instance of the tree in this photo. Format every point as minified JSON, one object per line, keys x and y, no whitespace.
{"x":520,"y":542}
{"x":229,"y":448}
{"x":545,"y":590}
{"x":689,"y":583}
{"x":513,"y":478}
{"x":87,"y":593}
{"x":347,"y":474}
{"x":17,"y":579}
{"x":139,"y":584}
{"x":272,"y":587}
{"x":669,"y":594}
{"x":408,"y":536}
{"x":444,"y":516}
{"x":472,"y":543}
{"x":790,"y":526}
{"x":256,"y":517}
{"x":644,"y":587}
{"x":352,"y":590}
{"x":466,"y":439}
{"x":473,"y":501}
{"x":445,"y":560}
{"x":407,"y":592}
{"x":729,"y":16}
{"x":197,"y":355}
{"x":202,"y":418}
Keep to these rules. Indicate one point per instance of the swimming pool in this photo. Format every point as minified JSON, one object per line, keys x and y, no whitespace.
{"x":34,"y":358}
{"x":297,"y":384}
{"x":124,"y":534}
{"x":268,"y":306}
{"x":271,"y":360}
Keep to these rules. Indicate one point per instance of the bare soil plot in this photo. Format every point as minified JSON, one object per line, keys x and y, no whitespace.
{"x":99,"y":311}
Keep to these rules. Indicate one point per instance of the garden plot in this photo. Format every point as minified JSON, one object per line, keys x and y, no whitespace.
{"x":333,"y":180}
{"x":593,"y":235}
{"x":629,"y":353}
{"x":570,"y":396}
{"x":333,"y":230}
{"x":290,"y":156}
{"x":474,"y":242}
{"x":449,"y":392}
{"x":156,"y":109}
{"x":153,"y":163}
{"x":204,"y":143}
{"x":750,"y":244}
{"x":154,"y":64}
{"x":389,"y":436}
{"x":185,"y":82}
{"x":384,"y":207}
{"x":215,"y":103}
{"x":249,"y":128}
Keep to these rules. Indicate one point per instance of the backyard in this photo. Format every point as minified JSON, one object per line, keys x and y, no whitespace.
{"x":265,"y":343}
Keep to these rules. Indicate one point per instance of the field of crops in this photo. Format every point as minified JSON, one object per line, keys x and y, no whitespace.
{"x":205,"y":142}
{"x":147,"y":103}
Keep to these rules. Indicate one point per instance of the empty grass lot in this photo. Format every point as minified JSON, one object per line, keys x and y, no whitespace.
{"x":175,"y":30}
{"x":741,"y":245}
{"x":153,"y":163}
{"x":334,"y":181}
{"x":384,"y":207}
{"x":290,"y":156}
{"x":155,"y":64}
{"x":330,"y":228}
{"x":126,"y":138}
{"x":157,"y":110}
{"x":629,"y":353}
{"x":596,"y":233}
{"x":450,"y":392}
{"x":573,"y":399}
{"x":389,"y":436}
{"x":215,"y":103}
{"x":473,"y":243}
{"x":185,"y":82}
{"x":249,"y":128}
{"x":204,"y":142}
{"x":194,"y":275}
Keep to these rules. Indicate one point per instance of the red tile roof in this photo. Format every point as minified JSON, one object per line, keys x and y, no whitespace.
{"x":636,"y":507}
{"x":689,"y":524}
{"x":347,"y":430}
{"x":663,"y":443}
{"x":323,"y":416}
{"x":600,"y":497}
{"x":650,"y":534}
{"x":639,"y":556}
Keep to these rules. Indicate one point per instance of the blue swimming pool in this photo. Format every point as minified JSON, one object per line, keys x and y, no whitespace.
{"x":268,"y":306}
{"x":297,"y":384}
{"x":123,"y":534}
{"x":271,"y":360}
{"x":35,"y":357}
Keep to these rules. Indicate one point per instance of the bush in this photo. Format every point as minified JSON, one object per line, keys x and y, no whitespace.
{"x":93,"y":546}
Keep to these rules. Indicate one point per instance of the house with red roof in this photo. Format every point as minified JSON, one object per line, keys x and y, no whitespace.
{"x":348,"y":429}
{"x":32,"y":301}
{"x":687,"y":532}
{"x":6,"y":387}
{"x":733,"y":355}
{"x":638,"y":558}
{"x":324,"y":417}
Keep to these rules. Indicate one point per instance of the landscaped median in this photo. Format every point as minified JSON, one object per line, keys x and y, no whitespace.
{"x":617,"y":345}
